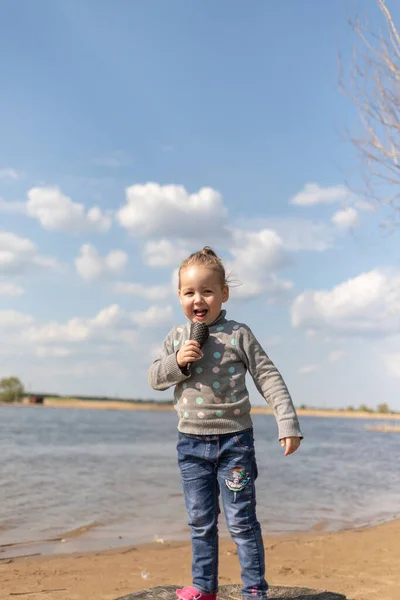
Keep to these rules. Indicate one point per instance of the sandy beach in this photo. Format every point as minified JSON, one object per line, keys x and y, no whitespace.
{"x":363,"y":564}
{"x":256,"y":409}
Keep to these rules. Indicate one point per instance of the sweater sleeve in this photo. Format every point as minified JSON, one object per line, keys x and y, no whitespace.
{"x":269,"y":383}
{"x":165,"y":372}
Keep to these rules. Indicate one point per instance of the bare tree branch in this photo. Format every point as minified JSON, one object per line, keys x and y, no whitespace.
{"x":374,"y":88}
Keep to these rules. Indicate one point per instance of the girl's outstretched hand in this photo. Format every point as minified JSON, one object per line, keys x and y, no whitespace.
{"x":290,"y":444}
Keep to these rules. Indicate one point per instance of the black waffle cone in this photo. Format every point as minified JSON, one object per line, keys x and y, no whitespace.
{"x":199,"y":332}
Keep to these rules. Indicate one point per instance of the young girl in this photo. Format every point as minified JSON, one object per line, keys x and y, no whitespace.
{"x":216,"y":446}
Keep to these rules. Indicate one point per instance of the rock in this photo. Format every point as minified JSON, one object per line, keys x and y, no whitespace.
{"x":232,"y":592}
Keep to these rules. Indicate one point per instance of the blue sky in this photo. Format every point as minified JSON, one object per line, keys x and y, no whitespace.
{"x":133,"y":133}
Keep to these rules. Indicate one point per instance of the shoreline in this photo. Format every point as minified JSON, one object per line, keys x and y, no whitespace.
{"x":361,"y":563}
{"x":150,"y":406}
{"x":89,"y":538}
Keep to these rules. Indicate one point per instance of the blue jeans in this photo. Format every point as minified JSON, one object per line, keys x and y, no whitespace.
{"x":223,"y":465}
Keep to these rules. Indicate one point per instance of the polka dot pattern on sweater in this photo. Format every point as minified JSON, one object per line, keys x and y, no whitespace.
{"x":216,"y":384}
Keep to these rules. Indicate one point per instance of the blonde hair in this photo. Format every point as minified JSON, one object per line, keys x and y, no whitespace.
{"x":207,"y":258}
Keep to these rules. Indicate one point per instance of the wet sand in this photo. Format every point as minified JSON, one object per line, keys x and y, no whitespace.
{"x":363,"y":564}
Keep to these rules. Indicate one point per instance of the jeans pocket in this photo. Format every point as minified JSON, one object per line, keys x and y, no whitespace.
{"x":245,"y":439}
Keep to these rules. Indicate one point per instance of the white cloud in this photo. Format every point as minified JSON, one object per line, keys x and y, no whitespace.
{"x":365,"y":206}
{"x":368,"y":304}
{"x":17,"y":254}
{"x":111,"y":316}
{"x":10,"y":242}
{"x":271,"y":288}
{"x":12,"y":319}
{"x":153,"y":316}
{"x":112,"y":325}
{"x":346,"y":218}
{"x":55,"y":211}
{"x":257,"y":255}
{"x":393,"y":364}
{"x":336,"y":355}
{"x":46,"y":262}
{"x":169,"y":210}
{"x":297,"y":234}
{"x":90,"y":265}
{"x":53,"y":351}
{"x":261,"y":250}
{"x":307,"y":369}
{"x":116,"y":260}
{"x":151,"y":292}
{"x":75,"y":330}
{"x":313,"y":194}
{"x":164,"y":253}
{"x":11,"y":289}
{"x":84,"y":370}
{"x":154,"y":351}
{"x":12,"y":174}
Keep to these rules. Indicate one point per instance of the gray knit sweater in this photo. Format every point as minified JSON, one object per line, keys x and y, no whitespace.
{"x":212,"y":398}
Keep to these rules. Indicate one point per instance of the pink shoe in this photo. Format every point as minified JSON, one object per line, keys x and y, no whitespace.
{"x":190,"y":593}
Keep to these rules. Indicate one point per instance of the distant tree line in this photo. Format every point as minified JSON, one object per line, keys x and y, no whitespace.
{"x":11,"y":389}
{"x":381,"y":408}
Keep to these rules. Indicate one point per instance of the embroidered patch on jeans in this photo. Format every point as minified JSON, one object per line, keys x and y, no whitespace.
{"x":238,"y":480}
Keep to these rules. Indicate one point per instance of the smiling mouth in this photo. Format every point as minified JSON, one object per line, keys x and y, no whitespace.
{"x":200,"y":314}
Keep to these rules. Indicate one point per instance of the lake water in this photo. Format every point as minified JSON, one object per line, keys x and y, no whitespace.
{"x":115,"y":472}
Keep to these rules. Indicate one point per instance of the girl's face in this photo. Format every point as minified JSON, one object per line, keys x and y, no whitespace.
{"x":201,"y":293}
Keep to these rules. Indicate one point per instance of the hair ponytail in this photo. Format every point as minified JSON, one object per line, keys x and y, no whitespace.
{"x":207,"y":258}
